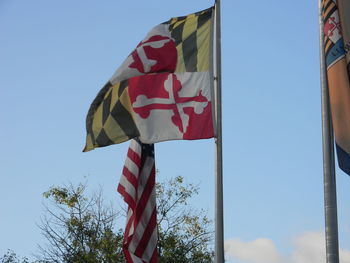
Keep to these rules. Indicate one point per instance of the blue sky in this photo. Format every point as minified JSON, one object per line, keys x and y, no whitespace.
{"x":56,"y":55}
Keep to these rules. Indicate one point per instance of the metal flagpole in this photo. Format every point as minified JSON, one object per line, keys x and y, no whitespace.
{"x":219,"y":212}
{"x":330,"y":194}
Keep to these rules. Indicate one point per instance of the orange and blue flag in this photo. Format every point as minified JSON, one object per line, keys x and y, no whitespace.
{"x":336,"y":21}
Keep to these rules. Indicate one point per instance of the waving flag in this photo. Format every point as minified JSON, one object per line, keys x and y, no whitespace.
{"x":137,"y":186}
{"x":162,"y":91}
{"x":337,"y":44}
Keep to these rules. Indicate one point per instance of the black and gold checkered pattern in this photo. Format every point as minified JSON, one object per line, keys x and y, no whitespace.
{"x":109,"y":119}
{"x":192,"y":35}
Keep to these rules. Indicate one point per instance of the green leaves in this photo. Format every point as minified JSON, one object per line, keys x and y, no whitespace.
{"x":64,"y":196}
{"x":80,"y":228}
{"x":11,"y":257}
{"x":185,"y":233}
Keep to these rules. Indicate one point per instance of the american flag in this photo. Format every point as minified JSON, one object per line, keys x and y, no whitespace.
{"x":137,"y":186}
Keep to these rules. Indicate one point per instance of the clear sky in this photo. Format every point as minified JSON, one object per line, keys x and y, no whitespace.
{"x":56,"y":55}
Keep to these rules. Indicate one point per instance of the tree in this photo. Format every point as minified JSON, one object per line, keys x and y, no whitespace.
{"x":11,"y":257}
{"x":80,"y":229}
{"x":184,"y":233}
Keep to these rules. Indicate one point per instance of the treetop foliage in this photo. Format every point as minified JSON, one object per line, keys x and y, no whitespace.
{"x":81,"y":228}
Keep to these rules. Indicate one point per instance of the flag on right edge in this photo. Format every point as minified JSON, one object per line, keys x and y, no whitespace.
{"x":336,"y":21}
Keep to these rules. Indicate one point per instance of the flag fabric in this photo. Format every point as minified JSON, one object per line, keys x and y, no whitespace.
{"x":337,"y":44}
{"x":162,"y":91}
{"x":137,"y":186}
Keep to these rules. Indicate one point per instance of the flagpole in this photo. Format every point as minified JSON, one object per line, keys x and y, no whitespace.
{"x":330,"y":194}
{"x":219,"y":211}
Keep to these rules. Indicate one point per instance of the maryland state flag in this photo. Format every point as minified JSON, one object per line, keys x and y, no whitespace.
{"x":336,"y":17}
{"x":162,"y":91}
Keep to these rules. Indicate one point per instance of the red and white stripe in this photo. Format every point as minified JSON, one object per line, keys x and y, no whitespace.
{"x":137,"y":186}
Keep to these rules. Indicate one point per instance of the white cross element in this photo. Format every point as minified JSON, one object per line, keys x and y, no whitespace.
{"x":144,"y":105}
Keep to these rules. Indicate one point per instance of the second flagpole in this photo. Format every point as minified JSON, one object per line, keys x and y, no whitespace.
{"x":330,"y":195}
{"x":219,"y":210}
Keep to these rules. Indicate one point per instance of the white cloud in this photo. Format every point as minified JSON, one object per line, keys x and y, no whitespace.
{"x":344,"y":256}
{"x":261,"y":250}
{"x":307,"y":248}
